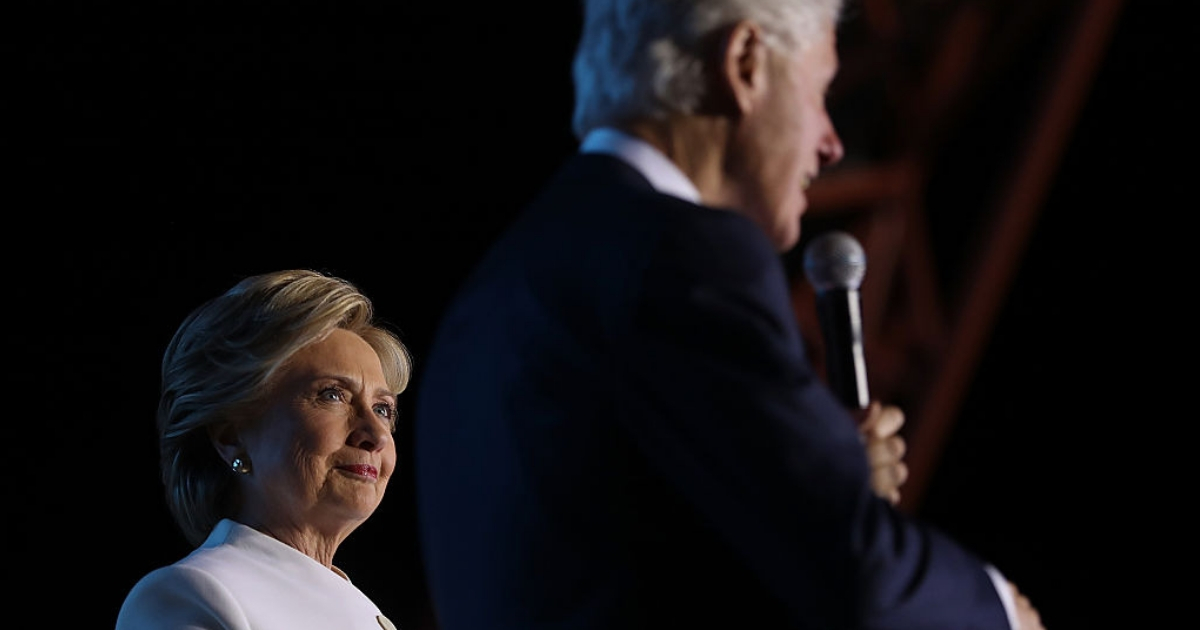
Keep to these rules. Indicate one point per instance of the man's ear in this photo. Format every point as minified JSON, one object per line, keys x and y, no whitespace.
{"x":225,"y":438}
{"x":744,"y":59}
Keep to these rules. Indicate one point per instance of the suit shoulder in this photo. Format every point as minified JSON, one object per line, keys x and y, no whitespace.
{"x":718,"y":243}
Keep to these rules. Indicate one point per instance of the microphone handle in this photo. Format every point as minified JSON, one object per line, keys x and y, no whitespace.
{"x":840,"y":313}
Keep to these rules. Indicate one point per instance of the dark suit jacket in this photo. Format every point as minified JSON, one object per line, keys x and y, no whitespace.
{"x":617,"y":427}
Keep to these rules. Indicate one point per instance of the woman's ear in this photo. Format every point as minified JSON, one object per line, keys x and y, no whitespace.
{"x":227,"y":441}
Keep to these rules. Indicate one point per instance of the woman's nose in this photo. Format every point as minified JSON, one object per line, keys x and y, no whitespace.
{"x":371,"y":433}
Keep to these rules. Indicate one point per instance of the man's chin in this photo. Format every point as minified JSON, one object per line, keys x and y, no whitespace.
{"x":786,"y":239}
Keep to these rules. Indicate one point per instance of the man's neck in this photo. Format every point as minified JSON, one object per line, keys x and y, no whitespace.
{"x":695,"y":145}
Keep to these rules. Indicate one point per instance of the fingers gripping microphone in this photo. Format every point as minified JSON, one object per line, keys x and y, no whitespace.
{"x":835,"y":264}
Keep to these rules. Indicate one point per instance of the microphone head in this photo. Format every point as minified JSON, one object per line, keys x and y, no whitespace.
{"x":835,"y":260}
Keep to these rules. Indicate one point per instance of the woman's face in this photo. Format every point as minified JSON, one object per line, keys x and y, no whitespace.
{"x":323,"y":451}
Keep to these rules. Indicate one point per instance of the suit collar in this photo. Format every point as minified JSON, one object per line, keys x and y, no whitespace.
{"x":659,"y":170}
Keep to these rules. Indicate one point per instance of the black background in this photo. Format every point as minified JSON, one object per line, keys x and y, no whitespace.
{"x":166,"y":150}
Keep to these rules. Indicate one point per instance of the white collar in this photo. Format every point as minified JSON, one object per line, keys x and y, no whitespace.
{"x":664,"y":176}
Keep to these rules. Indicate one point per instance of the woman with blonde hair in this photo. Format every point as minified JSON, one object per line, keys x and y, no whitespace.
{"x":275,"y":424}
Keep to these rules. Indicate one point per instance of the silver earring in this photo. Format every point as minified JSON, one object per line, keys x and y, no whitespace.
{"x":239,"y":466}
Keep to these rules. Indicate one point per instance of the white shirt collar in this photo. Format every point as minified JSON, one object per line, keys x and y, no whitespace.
{"x":664,"y":176}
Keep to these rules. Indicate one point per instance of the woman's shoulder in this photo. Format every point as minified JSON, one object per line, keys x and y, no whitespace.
{"x":173,"y":595}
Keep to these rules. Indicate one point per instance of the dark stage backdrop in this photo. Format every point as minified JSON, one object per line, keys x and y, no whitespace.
{"x":167,"y":150}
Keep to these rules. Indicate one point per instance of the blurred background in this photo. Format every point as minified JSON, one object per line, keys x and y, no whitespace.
{"x":1007,"y":162}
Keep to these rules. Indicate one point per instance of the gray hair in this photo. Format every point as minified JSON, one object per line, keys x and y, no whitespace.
{"x":644,"y":59}
{"x":218,"y":369}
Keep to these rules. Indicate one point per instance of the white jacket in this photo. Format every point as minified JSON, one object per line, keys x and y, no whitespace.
{"x":242,"y":579}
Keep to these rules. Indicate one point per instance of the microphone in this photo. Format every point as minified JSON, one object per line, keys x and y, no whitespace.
{"x":835,"y":264}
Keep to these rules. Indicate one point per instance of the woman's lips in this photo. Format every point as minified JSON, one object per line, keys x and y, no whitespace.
{"x":362,"y":470}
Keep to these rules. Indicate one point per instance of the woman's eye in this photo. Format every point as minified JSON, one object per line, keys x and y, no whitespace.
{"x":334,"y":394}
{"x":388,"y":412}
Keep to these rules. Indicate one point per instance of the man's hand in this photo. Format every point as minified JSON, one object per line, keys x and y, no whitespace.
{"x":880,"y":426}
{"x":1027,"y":615}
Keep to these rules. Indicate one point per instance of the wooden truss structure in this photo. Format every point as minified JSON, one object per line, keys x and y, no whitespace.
{"x":978,"y":96}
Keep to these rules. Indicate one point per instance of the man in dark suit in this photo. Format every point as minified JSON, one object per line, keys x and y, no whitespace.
{"x":617,"y":425}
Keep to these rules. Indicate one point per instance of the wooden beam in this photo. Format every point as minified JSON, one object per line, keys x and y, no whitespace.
{"x":1016,"y":214}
